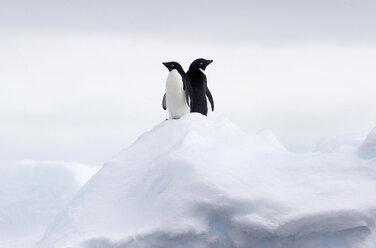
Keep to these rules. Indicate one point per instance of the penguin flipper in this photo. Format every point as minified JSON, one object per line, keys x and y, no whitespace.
{"x":164,"y":102}
{"x":209,"y":95}
{"x":187,"y":98}
{"x":188,"y":91}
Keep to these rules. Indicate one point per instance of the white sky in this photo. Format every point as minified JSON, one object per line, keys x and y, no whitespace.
{"x":82,"y":87}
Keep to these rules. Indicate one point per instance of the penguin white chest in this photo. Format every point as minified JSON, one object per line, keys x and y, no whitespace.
{"x":175,"y":96}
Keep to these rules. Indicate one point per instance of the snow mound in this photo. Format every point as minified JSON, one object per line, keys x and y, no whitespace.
{"x":32,"y":193}
{"x":202,"y":182}
{"x":368,"y":148}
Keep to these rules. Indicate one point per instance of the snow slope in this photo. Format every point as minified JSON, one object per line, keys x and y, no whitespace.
{"x":202,"y":182}
{"x":32,"y":193}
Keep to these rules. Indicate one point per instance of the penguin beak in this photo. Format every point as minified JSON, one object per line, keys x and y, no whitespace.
{"x":166,"y":64}
{"x":210,"y":61}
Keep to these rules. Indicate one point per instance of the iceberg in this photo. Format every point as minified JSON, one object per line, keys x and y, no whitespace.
{"x":202,"y":182}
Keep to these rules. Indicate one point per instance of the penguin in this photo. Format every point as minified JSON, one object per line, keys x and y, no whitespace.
{"x":178,"y":96}
{"x":201,"y":92}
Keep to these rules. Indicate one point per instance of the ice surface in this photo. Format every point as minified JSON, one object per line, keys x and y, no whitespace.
{"x":202,"y":182}
{"x":32,"y":193}
{"x":368,"y":148}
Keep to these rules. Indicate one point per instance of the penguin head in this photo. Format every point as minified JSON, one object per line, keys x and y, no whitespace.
{"x":172,"y":65}
{"x":200,"y":64}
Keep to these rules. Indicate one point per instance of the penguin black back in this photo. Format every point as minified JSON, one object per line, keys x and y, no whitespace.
{"x":200,"y":89}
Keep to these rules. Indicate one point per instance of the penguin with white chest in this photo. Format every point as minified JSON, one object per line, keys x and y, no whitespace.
{"x":178,"y":94}
{"x":201,"y":93}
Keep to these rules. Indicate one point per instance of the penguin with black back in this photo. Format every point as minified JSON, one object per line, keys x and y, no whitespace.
{"x":201,"y":92}
{"x":178,"y":96}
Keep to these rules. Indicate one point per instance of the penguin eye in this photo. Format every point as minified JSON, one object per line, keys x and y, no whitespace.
{"x":201,"y":63}
{"x":172,"y":65}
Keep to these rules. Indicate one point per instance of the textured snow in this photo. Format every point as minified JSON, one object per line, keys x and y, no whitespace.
{"x":341,"y":143}
{"x":32,"y":193}
{"x":202,"y":182}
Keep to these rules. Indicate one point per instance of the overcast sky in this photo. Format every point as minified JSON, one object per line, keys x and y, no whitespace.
{"x":82,"y":79}
{"x":248,"y":22}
